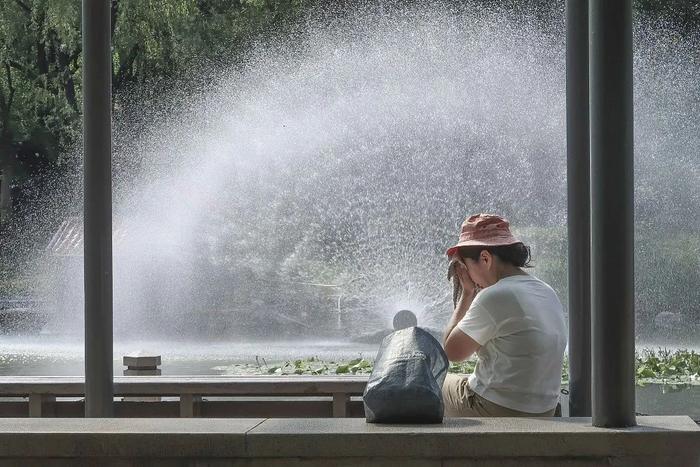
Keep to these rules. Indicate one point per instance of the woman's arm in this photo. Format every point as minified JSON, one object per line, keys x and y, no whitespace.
{"x":458,"y":345}
{"x":460,"y":310}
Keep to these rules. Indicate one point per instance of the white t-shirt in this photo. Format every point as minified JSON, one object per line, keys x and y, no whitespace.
{"x":519,"y":323}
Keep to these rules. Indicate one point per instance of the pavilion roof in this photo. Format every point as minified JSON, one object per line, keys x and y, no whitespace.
{"x":68,"y":238}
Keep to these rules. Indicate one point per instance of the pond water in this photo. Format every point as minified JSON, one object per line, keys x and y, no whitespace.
{"x":35,"y":356}
{"x":661,"y":399}
{"x":44,"y":355}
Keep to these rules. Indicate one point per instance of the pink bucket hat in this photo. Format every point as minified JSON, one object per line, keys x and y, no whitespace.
{"x":484,"y":230}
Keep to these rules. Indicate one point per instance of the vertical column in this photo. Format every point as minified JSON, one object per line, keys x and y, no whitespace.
{"x":612,"y":212}
{"x":97,"y":137}
{"x":578,"y":207}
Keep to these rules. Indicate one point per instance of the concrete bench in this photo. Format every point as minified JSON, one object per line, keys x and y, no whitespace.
{"x":347,"y":442}
{"x":189,"y":389}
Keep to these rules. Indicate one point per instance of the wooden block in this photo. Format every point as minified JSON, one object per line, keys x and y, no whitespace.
{"x":340,"y":404}
{"x":35,"y":405}
{"x":141,"y":361}
{"x":187,"y":405}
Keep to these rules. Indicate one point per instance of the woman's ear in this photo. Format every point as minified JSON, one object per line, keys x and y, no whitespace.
{"x":484,"y":256}
{"x":487,"y":258}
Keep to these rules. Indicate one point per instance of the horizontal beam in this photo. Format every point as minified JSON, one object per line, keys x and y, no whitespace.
{"x":175,"y":386}
{"x":208,"y":407}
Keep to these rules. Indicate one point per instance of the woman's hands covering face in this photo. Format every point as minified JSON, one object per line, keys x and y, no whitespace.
{"x":465,"y":280}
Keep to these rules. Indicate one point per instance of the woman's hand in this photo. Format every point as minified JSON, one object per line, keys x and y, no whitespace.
{"x":469,"y":288}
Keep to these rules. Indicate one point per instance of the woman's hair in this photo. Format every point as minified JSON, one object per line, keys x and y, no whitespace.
{"x":517,"y":254}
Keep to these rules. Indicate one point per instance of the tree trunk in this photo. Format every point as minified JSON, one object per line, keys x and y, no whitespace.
{"x":8,"y":171}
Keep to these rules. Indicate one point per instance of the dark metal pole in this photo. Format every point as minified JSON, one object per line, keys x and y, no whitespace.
{"x":612,"y":212}
{"x":97,"y":136}
{"x":578,"y":208}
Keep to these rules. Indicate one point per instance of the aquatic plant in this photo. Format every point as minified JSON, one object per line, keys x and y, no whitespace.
{"x":651,"y":366}
{"x":665,"y":365}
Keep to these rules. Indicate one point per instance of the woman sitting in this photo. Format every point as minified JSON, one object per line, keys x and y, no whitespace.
{"x":513,"y":321}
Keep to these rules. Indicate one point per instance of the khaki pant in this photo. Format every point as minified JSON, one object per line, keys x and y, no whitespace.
{"x":461,"y":401}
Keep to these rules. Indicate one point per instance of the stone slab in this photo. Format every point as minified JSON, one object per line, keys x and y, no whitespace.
{"x":142,"y":372}
{"x":127,"y":438}
{"x":340,"y":462}
{"x":318,"y":442}
{"x":264,"y":462}
{"x":348,"y":462}
{"x":141,"y":361}
{"x":472,"y":438}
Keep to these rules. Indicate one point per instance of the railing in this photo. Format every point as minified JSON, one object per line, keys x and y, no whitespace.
{"x":41,"y":390}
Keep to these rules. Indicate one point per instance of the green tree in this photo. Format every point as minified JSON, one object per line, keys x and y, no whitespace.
{"x":156,"y":45}
{"x":153,"y":40}
{"x":39,"y":102}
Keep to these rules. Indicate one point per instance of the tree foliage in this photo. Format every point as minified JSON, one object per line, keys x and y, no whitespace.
{"x":153,"y":42}
{"x":39,"y":102}
{"x":40,"y":64}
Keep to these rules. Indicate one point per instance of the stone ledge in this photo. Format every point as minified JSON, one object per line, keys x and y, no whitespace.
{"x":473,"y":437}
{"x":656,"y":437}
{"x":124,"y":437}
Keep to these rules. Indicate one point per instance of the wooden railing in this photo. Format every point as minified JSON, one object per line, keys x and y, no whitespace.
{"x":190,"y":389}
